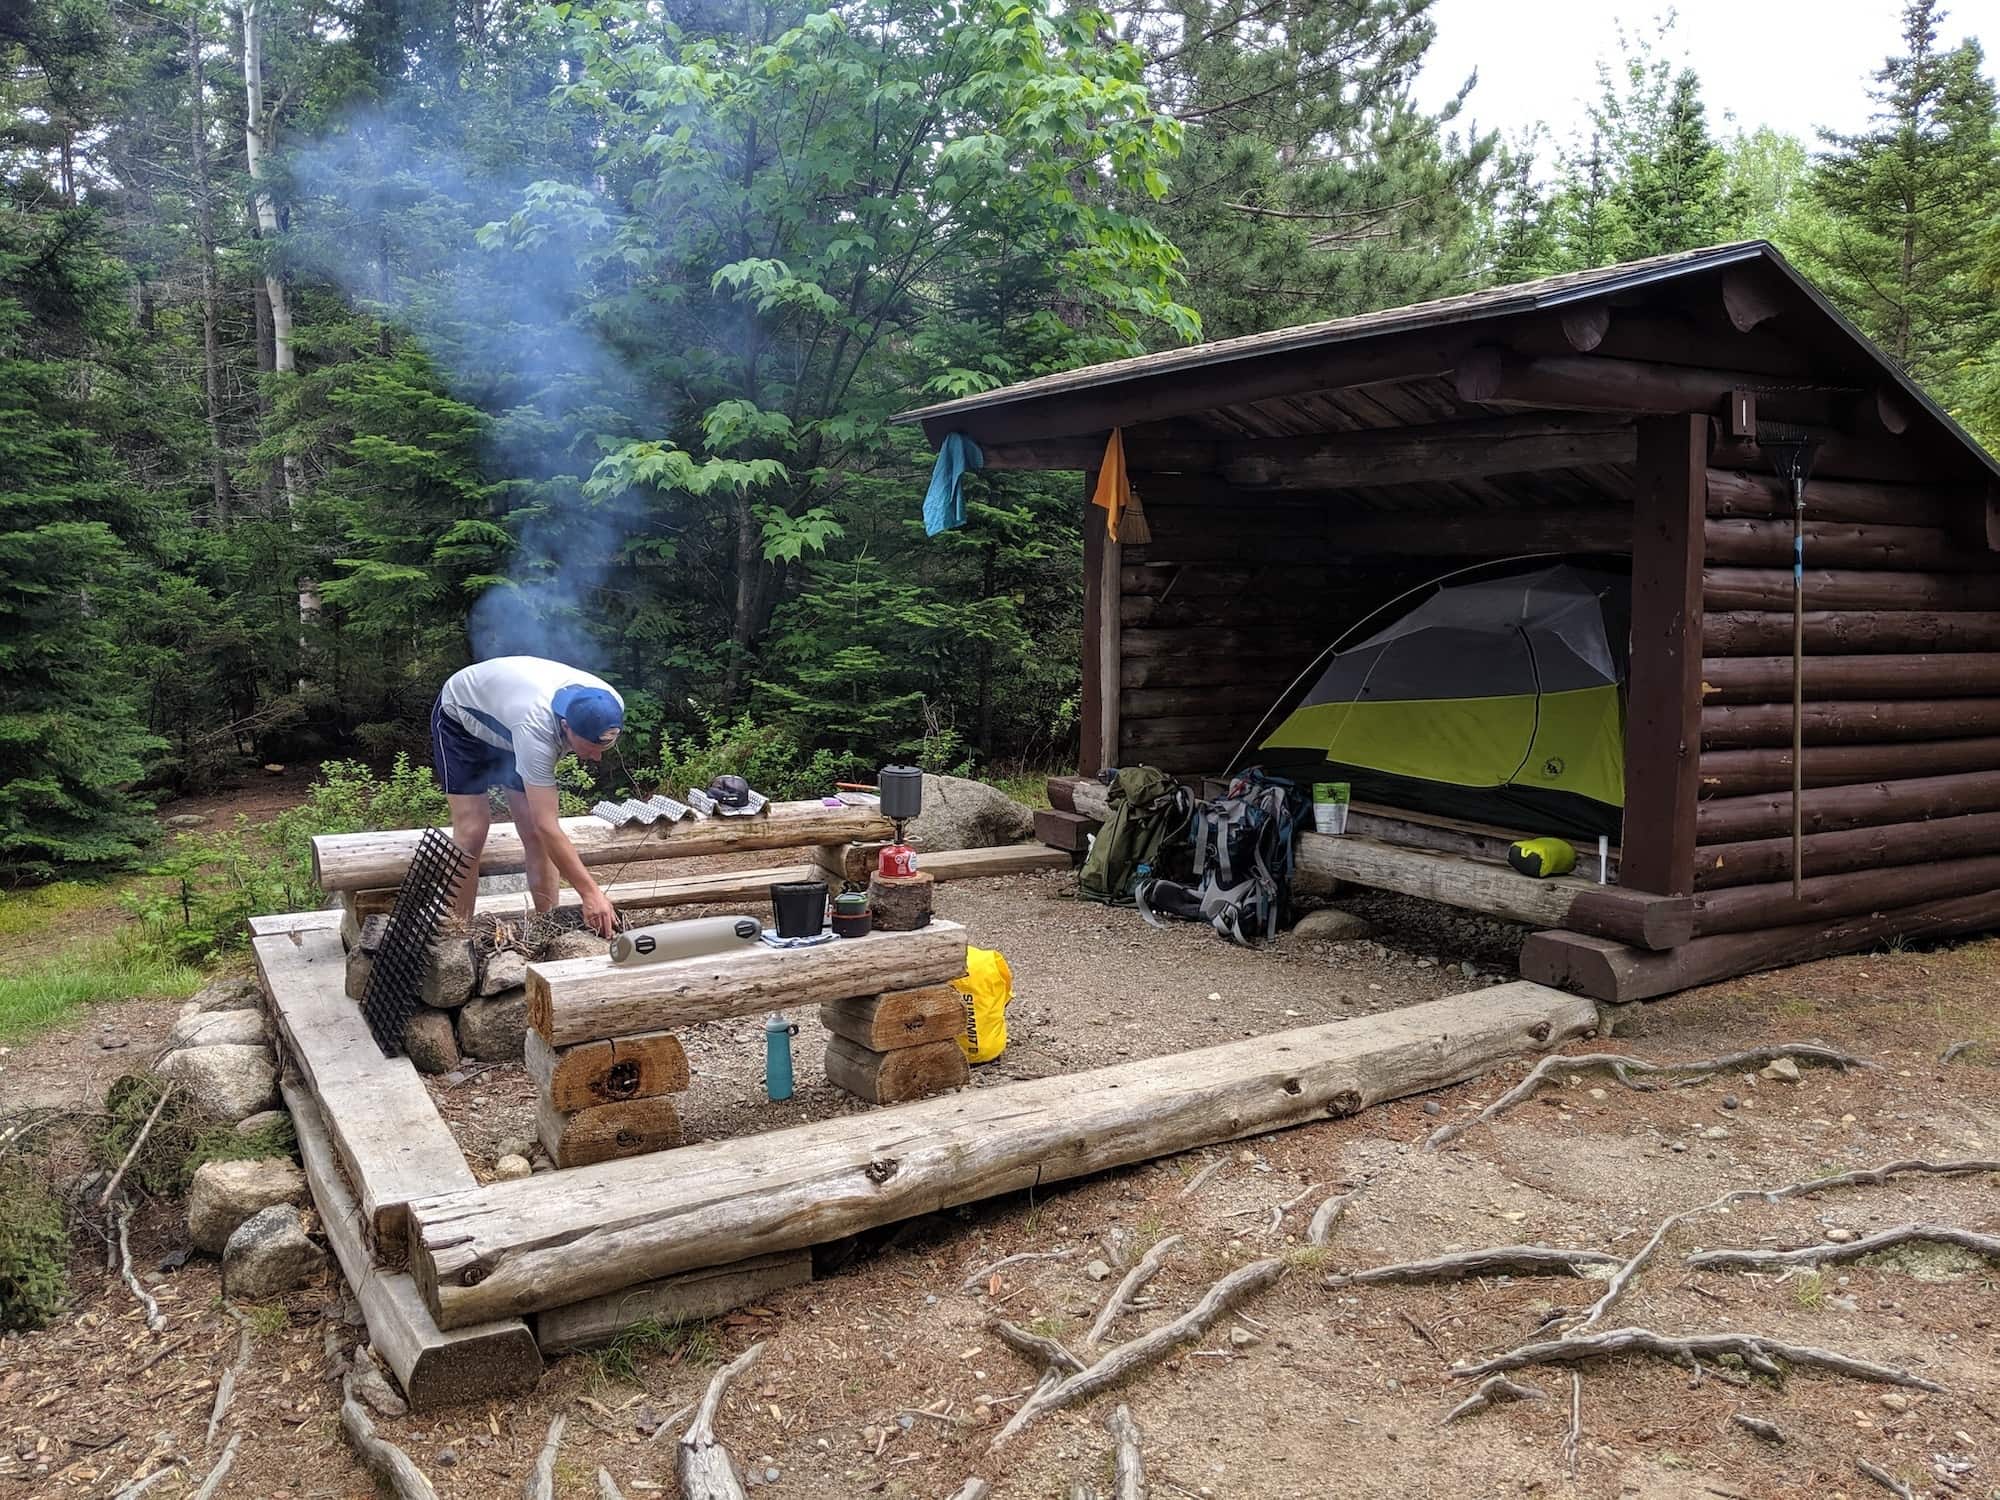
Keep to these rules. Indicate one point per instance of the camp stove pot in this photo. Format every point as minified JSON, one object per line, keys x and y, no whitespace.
{"x":902,"y":789}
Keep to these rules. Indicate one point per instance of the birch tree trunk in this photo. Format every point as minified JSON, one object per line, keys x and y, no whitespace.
{"x":259,"y":128}
{"x":211,"y":357}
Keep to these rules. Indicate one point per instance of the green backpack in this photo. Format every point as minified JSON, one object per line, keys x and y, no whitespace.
{"x":1148,"y":827}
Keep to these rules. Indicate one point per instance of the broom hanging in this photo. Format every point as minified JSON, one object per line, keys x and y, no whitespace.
{"x":1790,"y":451}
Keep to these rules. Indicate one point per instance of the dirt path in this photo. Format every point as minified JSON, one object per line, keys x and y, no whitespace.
{"x":1339,"y":1391}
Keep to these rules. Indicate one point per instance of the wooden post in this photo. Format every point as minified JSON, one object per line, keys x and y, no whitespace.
{"x":1101,"y":592}
{"x":1663,"y":721}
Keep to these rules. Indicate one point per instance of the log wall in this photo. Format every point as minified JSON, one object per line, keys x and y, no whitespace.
{"x":1902,"y":712}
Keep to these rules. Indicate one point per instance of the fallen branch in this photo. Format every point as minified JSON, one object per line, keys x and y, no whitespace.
{"x":104,"y":1198}
{"x":1494,"y":1260}
{"x":1278,"y":1213}
{"x":1492,"y":1391}
{"x":1812,"y":1255}
{"x":1128,"y":1480}
{"x":1759,"y":1353}
{"x":1148,"y":1347}
{"x":226,"y":1387}
{"x":1320,"y":1230}
{"x":1957,"y":1050}
{"x":1884,"y":1478}
{"x":1573,"y":1439}
{"x":974,"y":1488}
{"x":387,"y":1463}
{"x":139,"y":1486}
{"x":1623,"y":1067}
{"x":1200,"y":1179}
{"x":1114,"y":1307}
{"x":607,"y":1487}
{"x":1049,"y":1353}
{"x":980,"y":1278}
{"x":221,"y":1470}
{"x":1770,"y":1432}
{"x":703,"y":1464}
{"x":155,"y":1322}
{"x":541,"y":1483}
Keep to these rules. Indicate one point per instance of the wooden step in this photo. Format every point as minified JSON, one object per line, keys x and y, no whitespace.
{"x":1068,"y":831}
{"x":896,"y":1076}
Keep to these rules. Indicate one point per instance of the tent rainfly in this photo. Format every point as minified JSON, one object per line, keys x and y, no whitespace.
{"x":1298,"y":481}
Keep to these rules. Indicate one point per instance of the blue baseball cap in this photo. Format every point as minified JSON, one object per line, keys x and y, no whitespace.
{"x":591,"y":711}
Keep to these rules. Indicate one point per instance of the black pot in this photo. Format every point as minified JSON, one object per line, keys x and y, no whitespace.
{"x":798,"y":908}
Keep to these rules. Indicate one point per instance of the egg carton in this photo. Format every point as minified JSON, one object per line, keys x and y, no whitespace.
{"x":651,"y":811}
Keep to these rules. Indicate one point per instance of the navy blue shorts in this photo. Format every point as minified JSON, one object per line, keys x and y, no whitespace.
{"x":465,"y":764}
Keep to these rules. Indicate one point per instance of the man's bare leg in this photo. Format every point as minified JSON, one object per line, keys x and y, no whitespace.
{"x":471,"y":817}
{"x":542,"y":882}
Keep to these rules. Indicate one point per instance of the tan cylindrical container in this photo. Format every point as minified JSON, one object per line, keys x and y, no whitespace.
{"x":686,"y":939}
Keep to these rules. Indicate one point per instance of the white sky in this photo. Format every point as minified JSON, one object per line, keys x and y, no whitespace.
{"x":1791,"y":64}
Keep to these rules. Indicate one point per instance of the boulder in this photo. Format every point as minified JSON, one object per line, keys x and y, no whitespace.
{"x":230,"y":1080}
{"x":577,"y":944}
{"x":1332,"y":925}
{"x":225,"y":1193}
{"x":429,"y":1042}
{"x":224,"y":994}
{"x":450,"y":972}
{"x":263,"y":1120}
{"x":209,"y":1028}
{"x":962,"y":814}
{"x":506,"y":970}
{"x":269,"y":1255}
{"x":180,"y":821}
{"x":494,"y":1030}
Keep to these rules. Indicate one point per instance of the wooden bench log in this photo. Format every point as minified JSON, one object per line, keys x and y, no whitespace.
{"x":515,"y":1247}
{"x":367,"y":861}
{"x":642,"y":1066}
{"x":1610,"y":971}
{"x":692,"y":1297}
{"x":384,"y":1126}
{"x":901,"y":1018}
{"x":1607,"y":910}
{"x":713,"y":888}
{"x":898,"y":1075}
{"x":605,"y":1132}
{"x":584,"y":999}
{"x":433,"y":1367}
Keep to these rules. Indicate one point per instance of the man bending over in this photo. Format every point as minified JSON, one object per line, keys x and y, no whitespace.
{"x":505,"y":723}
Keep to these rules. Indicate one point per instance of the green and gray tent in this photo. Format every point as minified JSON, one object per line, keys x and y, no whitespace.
{"x":1497,"y":696}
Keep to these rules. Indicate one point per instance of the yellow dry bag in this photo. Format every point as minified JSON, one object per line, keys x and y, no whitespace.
{"x":986,"y":988}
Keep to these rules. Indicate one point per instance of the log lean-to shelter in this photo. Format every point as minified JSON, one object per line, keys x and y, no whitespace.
{"x":1293,"y":481}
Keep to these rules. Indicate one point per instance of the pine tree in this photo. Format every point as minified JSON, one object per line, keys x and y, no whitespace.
{"x":1907,"y":204}
{"x":71,"y":740}
{"x":1675,"y":191}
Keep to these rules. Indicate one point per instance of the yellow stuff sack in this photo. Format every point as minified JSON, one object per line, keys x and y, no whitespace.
{"x":986,"y":988}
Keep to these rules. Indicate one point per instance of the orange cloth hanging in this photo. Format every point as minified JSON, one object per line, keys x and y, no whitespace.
{"x":1116,"y":495}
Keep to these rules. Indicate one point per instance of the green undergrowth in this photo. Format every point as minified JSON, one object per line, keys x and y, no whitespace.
{"x":50,"y":990}
{"x":34,"y":1249}
{"x":181,"y":1140}
{"x":618,"y":1360}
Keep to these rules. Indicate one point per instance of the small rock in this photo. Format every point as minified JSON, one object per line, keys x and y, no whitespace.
{"x":1469,"y":969}
{"x":263,"y":1120}
{"x":429,"y":1042}
{"x":1784,"y":1070}
{"x":114,"y":1041}
{"x":225,"y":1193}
{"x":1841,"y":1236}
{"x":224,"y":994}
{"x":1097,"y":1270}
{"x":244,"y":1028}
{"x":184,"y":820}
{"x":771,"y":1475}
{"x":543,"y":1164}
{"x":1678,"y":1146}
{"x":1247,"y":1158}
{"x":453,"y":1079}
{"x":512,"y":1168}
{"x":450,"y":972}
{"x":1242,"y":1338}
{"x":1894,"y":1401}
{"x":1599,"y":1094}
{"x":1330,"y":925}
{"x":906,"y":1421}
{"x":228,"y":1081}
{"x":1730,"y":1101}
{"x":269,"y":1255}
{"x":447,"y":1457}
{"x":503,"y":971}
{"x":1715,"y":1133}
{"x":495,"y":1030}
{"x":577,"y":944}
{"x":515,"y":1145}
{"x":1432,"y":1107}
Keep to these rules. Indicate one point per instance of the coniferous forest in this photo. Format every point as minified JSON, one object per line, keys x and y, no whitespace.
{"x":343,"y":341}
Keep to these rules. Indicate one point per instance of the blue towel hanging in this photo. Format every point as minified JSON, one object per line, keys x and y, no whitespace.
{"x":944,"y":501}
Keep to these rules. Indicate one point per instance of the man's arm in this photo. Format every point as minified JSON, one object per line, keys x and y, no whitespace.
{"x":546,"y":814}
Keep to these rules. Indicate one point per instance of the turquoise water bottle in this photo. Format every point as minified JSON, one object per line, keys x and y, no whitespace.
{"x":778,"y":1034}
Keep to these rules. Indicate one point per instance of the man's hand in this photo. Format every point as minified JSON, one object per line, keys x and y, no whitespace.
{"x":599,"y":915}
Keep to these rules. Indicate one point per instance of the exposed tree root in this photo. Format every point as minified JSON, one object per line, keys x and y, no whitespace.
{"x":1634,"y":1072}
{"x":1121,"y":1299}
{"x":1811,"y":1255}
{"x":226,"y":1388}
{"x":1493,"y":1390}
{"x":1047,"y":1352}
{"x":978,"y":1280}
{"x":703,"y":1464}
{"x":1760,"y":1354}
{"x":1129,"y":1471}
{"x":607,"y":1487}
{"x":155,"y":1321}
{"x":388,"y":1464}
{"x":1145,"y":1349}
{"x":1320,"y":1230}
{"x":1495,"y":1260}
{"x":1201,"y":1178}
{"x":1770,"y":1432}
{"x":541,"y":1483}
{"x":1573,"y":1439}
{"x":1884,"y":1478}
{"x":974,"y":1488}
{"x":221,"y":1470}
{"x":139,"y":1487}
{"x":1956,"y":1050}
{"x":1278,"y":1213}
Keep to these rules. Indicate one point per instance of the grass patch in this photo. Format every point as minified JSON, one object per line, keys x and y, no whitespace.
{"x":1307,"y":1257}
{"x":1048,"y":1327}
{"x":695,"y":1343}
{"x":33,"y":910}
{"x":1809,"y":1291}
{"x":1030,"y":788}
{"x":268,"y":1319}
{"x":51,"y":991}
